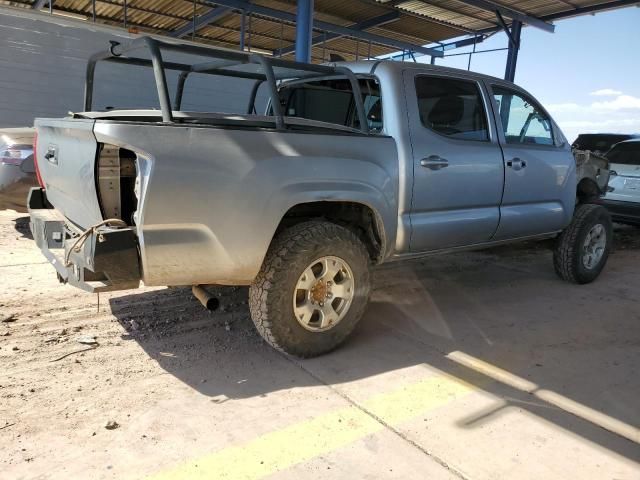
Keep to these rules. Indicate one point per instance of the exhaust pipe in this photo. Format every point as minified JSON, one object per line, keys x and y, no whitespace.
{"x":206,"y":299}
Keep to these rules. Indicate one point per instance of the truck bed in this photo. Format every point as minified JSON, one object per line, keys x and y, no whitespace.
{"x":191,"y":182}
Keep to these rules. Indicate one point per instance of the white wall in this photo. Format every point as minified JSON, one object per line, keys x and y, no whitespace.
{"x":42,"y":71}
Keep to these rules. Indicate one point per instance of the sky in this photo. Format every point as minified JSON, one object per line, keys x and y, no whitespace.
{"x":586,"y":74}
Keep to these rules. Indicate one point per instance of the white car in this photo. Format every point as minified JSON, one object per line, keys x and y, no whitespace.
{"x":623,"y":196}
{"x":17,"y":170}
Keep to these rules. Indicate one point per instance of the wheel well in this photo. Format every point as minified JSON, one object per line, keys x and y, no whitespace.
{"x":360,"y":219}
{"x":587,"y":190}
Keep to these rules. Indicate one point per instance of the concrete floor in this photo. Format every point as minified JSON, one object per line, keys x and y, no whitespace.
{"x":476,"y":366}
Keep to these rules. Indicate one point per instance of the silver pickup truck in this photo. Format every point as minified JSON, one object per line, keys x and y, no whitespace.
{"x":348,"y":166}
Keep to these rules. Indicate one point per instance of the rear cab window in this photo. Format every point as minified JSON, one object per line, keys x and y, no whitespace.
{"x":452,"y":107}
{"x":332,"y":101}
{"x":626,"y":153}
{"x":598,"y":142}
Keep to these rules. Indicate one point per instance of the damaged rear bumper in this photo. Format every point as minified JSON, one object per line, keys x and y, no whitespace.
{"x":107,"y":260}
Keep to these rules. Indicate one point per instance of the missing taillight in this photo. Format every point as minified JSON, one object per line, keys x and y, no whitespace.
{"x":35,"y":160}
{"x":116,"y":177}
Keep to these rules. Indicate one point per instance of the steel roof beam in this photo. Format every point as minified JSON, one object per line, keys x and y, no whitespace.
{"x":601,"y":7}
{"x":512,"y":14}
{"x":205,"y":19}
{"x":465,"y":42}
{"x":329,"y":27}
{"x":370,"y":23}
{"x":505,"y":27}
{"x":591,"y":9}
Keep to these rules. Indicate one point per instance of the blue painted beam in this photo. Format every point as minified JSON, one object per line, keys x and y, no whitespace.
{"x":465,"y":42}
{"x":304,"y":29}
{"x":370,"y":23}
{"x":205,"y":19}
{"x":326,"y":26}
{"x":512,"y":55}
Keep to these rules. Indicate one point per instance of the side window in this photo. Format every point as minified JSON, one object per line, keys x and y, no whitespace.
{"x":372,"y":105}
{"x":522,"y":121}
{"x":332,"y":101}
{"x":452,"y":107}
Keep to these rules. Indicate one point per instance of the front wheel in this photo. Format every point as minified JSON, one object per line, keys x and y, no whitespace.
{"x":582,"y":249}
{"x":312,"y":288}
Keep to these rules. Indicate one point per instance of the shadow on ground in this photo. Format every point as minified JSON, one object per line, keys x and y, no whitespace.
{"x":22,"y":227}
{"x":503,"y":307}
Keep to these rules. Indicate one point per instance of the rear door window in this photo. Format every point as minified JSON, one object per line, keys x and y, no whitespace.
{"x":332,"y":101}
{"x":452,"y":107}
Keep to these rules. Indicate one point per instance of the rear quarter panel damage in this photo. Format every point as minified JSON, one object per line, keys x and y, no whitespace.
{"x":212,"y":198}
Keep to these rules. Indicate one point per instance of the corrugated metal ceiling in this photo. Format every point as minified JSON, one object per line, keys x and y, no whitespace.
{"x":419,"y":22}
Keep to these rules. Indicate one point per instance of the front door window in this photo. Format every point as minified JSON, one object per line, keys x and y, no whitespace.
{"x":523,"y":122}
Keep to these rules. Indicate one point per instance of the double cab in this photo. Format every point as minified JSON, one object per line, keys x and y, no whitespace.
{"x":345,"y":166}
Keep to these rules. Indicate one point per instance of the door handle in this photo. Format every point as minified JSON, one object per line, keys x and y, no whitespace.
{"x":434,"y":162}
{"x":516,"y":163}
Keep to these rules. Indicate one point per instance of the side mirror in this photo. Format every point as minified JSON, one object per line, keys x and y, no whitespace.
{"x":28,"y":165}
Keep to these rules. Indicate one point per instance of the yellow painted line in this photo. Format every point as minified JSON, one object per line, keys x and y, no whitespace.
{"x":417,"y":398}
{"x":281,"y":449}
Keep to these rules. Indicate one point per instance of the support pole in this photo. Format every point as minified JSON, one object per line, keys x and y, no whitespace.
{"x":304,"y":29}
{"x":243,"y":28}
{"x":512,"y":54}
{"x":193,"y":23}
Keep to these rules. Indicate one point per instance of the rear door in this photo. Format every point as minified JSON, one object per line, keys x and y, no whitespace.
{"x":457,"y":163}
{"x":540,"y":172}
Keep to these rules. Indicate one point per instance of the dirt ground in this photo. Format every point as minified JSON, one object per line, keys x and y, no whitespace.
{"x":477,"y":365}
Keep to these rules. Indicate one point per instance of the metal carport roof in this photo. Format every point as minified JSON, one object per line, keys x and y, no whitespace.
{"x":353,"y":28}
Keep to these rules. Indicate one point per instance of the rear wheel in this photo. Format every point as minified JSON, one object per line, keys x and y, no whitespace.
{"x":312,"y":288}
{"x":583,"y":247}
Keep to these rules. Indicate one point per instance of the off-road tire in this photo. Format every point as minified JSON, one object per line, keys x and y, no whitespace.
{"x":568,"y":252}
{"x":271,"y":294}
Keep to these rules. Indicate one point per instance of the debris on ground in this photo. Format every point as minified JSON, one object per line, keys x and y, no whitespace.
{"x":111,"y":425}
{"x":88,"y":340}
{"x":91,"y":347}
{"x":11,"y":318}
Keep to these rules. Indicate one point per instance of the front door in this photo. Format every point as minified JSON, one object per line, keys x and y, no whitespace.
{"x":458,"y":171}
{"x":540,"y":182}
